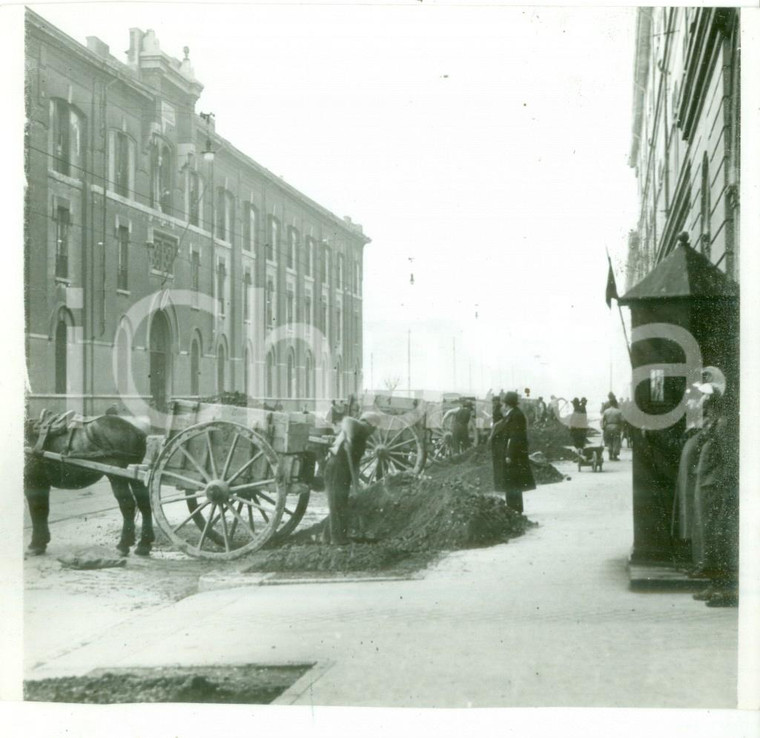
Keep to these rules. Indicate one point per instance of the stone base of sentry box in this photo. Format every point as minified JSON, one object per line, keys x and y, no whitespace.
{"x":663,"y":577}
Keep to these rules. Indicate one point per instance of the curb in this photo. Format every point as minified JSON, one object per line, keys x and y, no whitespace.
{"x":300,"y":686}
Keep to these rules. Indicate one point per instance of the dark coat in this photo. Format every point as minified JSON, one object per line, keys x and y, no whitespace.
{"x":509,"y":440}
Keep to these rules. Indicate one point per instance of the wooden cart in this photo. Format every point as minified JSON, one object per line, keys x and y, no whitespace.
{"x":226,"y":480}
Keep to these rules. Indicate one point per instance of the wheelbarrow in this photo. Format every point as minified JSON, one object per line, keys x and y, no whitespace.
{"x":588,"y":456}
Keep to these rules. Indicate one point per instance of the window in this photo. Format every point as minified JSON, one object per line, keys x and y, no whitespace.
{"x":62,"y":223}
{"x":195,"y":368}
{"x":324,"y":265}
{"x":307,"y":314}
{"x":323,"y":316}
{"x":195,"y":269}
{"x":122,"y":275}
{"x":249,"y":228}
{"x":223,"y":214}
{"x":269,"y":312}
{"x":122,"y":174}
{"x":308,"y":256}
{"x":221,"y":278}
{"x":309,"y":375}
{"x":273,"y":243}
{"x":66,"y":126}
{"x":247,"y":295}
{"x":164,"y":251}
{"x":291,"y":374}
{"x":61,"y":348}
{"x":292,"y":248}
{"x":193,"y":198}
{"x":289,"y":306}
{"x":339,"y":277}
{"x":338,"y":325}
{"x":161,"y":178}
{"x":357,"y":278}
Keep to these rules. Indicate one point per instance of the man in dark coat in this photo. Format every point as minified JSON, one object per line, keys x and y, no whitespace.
{"x":460,"y":427}
{"x":342,"y":473}
{"x":509,"y":448}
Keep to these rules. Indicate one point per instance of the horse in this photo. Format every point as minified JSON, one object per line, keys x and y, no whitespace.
{"x":108,"y":439}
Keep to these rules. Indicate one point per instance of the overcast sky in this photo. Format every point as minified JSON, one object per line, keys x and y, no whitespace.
{"x":484,"y":150}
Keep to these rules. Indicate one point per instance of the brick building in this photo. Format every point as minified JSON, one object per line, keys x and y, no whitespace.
{"x":198,"y":272}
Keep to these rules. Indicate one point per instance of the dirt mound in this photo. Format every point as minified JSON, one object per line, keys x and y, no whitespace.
{"x":552,"y":439}
{"x":404,"y":522}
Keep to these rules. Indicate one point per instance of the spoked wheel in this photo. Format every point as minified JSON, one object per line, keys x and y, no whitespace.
{"x":394,"y":447}
{"x":216,"y":490}
{"x":292,"y":514}
{"x":441,"y":444}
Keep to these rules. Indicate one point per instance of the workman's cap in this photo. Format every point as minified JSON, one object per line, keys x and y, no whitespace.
{"x":713,"y":381}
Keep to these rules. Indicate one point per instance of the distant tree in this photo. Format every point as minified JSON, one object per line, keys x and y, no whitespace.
{"x":391,"y":383}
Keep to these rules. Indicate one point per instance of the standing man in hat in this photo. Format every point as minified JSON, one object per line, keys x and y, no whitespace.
{"x":715,"y":524}
{"x":509,"y":449}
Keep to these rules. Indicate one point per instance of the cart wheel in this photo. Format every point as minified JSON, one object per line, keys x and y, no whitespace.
{"x":441,"y":446}
{"x":292,"y":514}
{"x":394,"y":447}
{"x":228,"y":478}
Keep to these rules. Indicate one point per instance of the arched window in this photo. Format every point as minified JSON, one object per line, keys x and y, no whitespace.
{"x":291,"y":373}
{"x":221,"y":366}
{"x":309,"y":375}
{"x":194,"y":197}
{"x":67,"y":129}
{"x":195,"y":367}
{"x":61,"y":350}
{"x":161,"y":177}
{"x":270,"y":374}
{"x":160,"y":359}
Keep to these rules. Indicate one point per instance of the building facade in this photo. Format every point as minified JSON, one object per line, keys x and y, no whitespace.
{"x":685,"y":145}
{"x":161,"y":261}
{"x":683,"y":256}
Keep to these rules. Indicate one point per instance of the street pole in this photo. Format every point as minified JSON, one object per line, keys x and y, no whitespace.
{"x":454,"y":364}
{"x":372,"y":371}
{"x":409,"y":361}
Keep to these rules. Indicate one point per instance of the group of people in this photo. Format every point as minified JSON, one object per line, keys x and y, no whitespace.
{"x":706,"y":504}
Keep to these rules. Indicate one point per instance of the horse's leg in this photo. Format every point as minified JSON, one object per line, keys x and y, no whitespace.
{"x":38,"y":499}
{"x":123,"y":495}
{"x":140,"y":492}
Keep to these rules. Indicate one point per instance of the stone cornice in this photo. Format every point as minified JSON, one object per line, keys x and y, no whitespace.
{"x":113,"y":67}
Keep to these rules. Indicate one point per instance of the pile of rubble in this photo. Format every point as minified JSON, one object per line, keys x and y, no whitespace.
{"x":404,"y":522}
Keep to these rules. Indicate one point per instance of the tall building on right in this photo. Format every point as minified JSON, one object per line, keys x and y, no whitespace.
{"x":686,"y":134}
{"x":683,"y":262}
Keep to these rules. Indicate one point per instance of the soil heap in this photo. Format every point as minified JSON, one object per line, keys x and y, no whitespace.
{"x":404,"y":522}
{"x":552,"y":439}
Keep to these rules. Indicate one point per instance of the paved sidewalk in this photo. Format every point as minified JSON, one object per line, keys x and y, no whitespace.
{"x":546,"y":620}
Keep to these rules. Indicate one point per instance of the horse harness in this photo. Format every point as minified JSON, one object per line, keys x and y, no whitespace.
{"x":51,"y":425}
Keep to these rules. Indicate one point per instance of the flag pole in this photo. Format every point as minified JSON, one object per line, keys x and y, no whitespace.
{"x":617,"y":300}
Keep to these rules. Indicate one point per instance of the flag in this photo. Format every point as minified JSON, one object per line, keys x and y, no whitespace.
{"x":611,"y":292}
